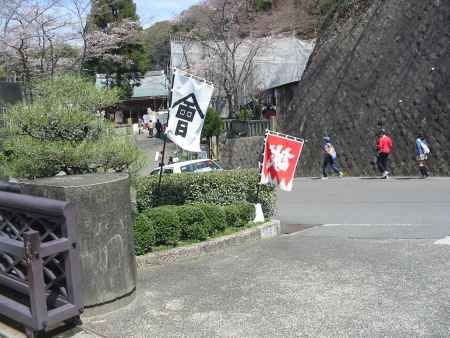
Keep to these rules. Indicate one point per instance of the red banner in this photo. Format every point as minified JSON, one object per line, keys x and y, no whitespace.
{"x":281,"y":155}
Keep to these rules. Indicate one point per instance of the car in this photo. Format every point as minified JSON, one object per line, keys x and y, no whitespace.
{"x":194,"y":166}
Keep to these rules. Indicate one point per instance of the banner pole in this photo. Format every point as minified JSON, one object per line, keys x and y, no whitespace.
{"x":261,"y":164}
{"x":161,"y":163}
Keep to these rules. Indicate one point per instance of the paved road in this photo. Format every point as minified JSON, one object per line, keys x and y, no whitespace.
{"x":372,"y":270}
{"x":419,"y":208}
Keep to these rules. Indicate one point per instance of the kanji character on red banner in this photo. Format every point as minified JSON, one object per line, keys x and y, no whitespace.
{"x":281,"y":155}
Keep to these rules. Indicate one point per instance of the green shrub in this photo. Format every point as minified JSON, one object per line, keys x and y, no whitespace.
{"x":232,"y":215}
{"x":263,"y":5}
{"x":222,"y":188}
{"x":166,"y":224}
{"x":215,"y":217}
{"x":144,"y":235}
{"x":193,"y":222}
{"x":196,"y":231}
{"x":246,"y":212}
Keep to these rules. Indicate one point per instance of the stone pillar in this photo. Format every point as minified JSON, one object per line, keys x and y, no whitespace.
{"x":105,"y":232}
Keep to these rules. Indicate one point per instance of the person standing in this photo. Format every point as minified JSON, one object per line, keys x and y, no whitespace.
{"x":329,"y":158}
{"x":140,"y":124}
{"x":422,"y":152}
{"x":150,"y":128}
{"x":384,"y":149}
{"x":158,"y":127}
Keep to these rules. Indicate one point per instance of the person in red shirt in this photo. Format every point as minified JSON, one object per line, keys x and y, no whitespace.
{"x":384,"y":148}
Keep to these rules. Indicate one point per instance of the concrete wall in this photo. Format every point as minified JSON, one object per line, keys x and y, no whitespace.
{"x":241,"y":152}
{"x":105,"y":231}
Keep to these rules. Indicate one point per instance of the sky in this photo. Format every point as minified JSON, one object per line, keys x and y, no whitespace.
{"x":151,"y":11}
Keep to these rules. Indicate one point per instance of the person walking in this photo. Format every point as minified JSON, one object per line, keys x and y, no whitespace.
{"x":384,"y":148}
{"x":329,"y":158}
{"x":422,"y":152}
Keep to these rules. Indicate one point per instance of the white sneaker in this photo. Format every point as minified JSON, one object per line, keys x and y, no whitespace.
{"x":386,"y":174}
{"x":341,"y":174}
{"x":324,"y":178}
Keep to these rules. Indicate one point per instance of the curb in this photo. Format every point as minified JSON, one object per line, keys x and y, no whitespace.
{"x":267,"y":230}
{"x":7,"y":331}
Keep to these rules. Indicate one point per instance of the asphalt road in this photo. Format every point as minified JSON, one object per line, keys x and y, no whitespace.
{"x":371,"y":268}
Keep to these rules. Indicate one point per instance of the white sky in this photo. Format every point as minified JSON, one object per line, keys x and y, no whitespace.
{"x":151,"y":11}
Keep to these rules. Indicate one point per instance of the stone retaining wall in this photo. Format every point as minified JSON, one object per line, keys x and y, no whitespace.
{"x":241,"y":152}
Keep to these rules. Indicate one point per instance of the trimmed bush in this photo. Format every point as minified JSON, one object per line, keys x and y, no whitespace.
{"x":59,"y":131}
{"x":246,"y":212}
{"x":193,"y":222}
{"x":232,"y":215}
{"x":144,"y":235}
{"x":215,"y":217}
{"x":166,"y":224}
{"x":222,"y":188}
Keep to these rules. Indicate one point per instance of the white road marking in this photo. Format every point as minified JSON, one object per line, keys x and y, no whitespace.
{"x":373,"y":224}
{"x":443,"y":241}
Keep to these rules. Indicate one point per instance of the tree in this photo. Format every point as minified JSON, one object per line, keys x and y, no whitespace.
{"x":114,"y":45}
{"x":223,"y":28}
{"x":213,"y":126}
{"x":157,"y":44}
{"x":59,"y":131}
{"x":34,"y":41}
{"x":79,"y":10}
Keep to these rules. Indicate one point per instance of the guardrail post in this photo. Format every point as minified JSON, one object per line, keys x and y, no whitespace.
{"x":35,"y":274}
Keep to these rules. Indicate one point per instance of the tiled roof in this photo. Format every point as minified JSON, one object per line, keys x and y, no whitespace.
{"x":154,"y":84}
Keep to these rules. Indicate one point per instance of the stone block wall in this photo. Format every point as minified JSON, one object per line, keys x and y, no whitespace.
{"x":382,"y":64}
{"x":241,"y":152}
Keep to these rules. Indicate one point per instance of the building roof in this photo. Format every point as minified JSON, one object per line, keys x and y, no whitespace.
{"x":154,"y":84}
{"x":279,"y":61}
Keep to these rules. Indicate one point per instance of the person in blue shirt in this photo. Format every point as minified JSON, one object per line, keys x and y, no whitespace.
{"x":329,"y":158}
{"x":422,"y":153}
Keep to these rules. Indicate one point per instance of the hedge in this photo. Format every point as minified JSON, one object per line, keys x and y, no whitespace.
{"x":168,"y":224}
{"x":222,"y":188}
{"x":215,"y":217}
{"x":144,"y":234}
{"x":193,"y":222}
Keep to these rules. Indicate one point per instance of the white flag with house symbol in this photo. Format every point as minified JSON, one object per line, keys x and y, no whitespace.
{"x":190,"y":101}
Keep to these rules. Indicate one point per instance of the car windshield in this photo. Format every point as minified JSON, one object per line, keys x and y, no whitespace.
{"x":165,"y":171}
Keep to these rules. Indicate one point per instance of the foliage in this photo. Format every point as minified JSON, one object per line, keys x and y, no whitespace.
{"x":244,"y":114}
{"x":36,"y":41}
{"x":263,"y":5}
{"x":246,"y":212}
{"x":193,"y":222}
{"x":213,"y":123}
{"x":104,"y":12}
{"x":59,"y":131}
{"x":115,"y":48}
{"x":222,"y":188}
{"x":215,"y":217}
{"x":157,"y":44}
{"x":144,"y":234}
{"x":232,"y":215}
{"x":166,"y":224}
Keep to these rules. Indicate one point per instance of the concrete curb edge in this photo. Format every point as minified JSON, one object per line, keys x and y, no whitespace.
{"x":269,"y":229}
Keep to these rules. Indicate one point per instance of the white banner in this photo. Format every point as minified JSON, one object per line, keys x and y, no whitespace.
{"x":190,"y":101}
